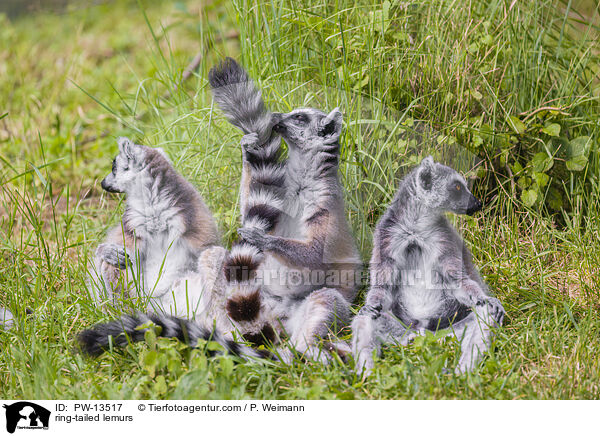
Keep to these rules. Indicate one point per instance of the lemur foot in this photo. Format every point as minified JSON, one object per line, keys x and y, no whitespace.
{"x":364,"y":365}
{"x":114,"y":255}
{"x":254,"y":236}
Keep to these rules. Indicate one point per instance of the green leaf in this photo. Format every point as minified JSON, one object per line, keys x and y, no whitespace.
{"x":476,"y":95}
{"x":149,"y":362}
{"x":487,"y":40}
{"x":541,"y":179}
{"x":552,"y":129}
{"x":554,"y":199}
{"x":542,"y":162}
{"x":577,"y":163}
{"x":516,"y":124}
{"x":477,"y":141}
{"x":160,"y":385}
{"x":529,"y":197}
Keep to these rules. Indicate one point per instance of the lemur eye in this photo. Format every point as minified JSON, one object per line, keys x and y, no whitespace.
{"x":458,"y":187}
{"x":114,"y":166}
{"x":299,"y":117}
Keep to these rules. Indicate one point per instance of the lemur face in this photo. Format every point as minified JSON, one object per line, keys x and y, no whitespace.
{"x":440,"y":187}
{"x":306,"y":128}
{"x":125,"y":167}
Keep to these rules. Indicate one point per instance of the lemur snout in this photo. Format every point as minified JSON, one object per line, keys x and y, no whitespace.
{"x":106,"y":186}
{"x":276,"y":119}
{"x":475,"y":205}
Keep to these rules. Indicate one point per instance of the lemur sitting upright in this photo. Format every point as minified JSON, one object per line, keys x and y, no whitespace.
{"x":295,"y":237}
{"x":422,"y":276}
{"x":165,"y":227}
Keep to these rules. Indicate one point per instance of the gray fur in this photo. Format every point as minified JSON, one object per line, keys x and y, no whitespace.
{"x":165,"y":227}
{"x":311,"y":233}
{"x":6,"y":318}
{"x":422,"y":275}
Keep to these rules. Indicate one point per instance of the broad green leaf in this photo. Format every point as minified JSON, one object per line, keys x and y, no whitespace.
{"x":552,"y":129}
{"x":542,"y":162}
{"x":477,"y":141}
{"x":517,"y":125}
{"x":580,"y":146}
{"x":529,"y":197}
{"x":577,"y":163}
{"x":541,"y":179}
{"x":476,"y":95}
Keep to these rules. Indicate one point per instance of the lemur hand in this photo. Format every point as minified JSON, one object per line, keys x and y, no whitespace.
{"x":255,"y":237}
{"x":113,"y":254}
{"x":371,"y":311}
{"x":250,"y":142}
{"x":495,"y":307}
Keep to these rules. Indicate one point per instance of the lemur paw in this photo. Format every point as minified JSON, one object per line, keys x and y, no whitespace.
{"x":371,"y":311}
{"x":249,"y":142}
{"x":254,"y":236}
{"x":114,"y":255}
{"x":496,"y":309}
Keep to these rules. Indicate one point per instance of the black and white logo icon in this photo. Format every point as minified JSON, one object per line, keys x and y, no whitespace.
{"x":26,"y":415}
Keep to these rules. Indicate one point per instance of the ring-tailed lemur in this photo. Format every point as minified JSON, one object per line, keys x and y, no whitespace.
{"x":165,"y":227}
{"x":422,"y":276}
{"x":295,"y":237}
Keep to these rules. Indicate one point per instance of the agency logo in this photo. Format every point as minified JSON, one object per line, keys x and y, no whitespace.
{"x":26,"y":415}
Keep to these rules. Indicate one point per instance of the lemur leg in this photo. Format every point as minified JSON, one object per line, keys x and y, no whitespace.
{"x":199,"y":294}
{"x":323,"y":312}
{"x":475,"y":334}
{"x":370,"y":330}
{"x":6,"y":319}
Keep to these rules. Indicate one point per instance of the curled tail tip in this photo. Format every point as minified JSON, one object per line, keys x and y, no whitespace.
{"x":227,"y":72}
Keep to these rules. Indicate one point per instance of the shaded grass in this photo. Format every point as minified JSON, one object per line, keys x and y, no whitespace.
{"x":405,"y":91}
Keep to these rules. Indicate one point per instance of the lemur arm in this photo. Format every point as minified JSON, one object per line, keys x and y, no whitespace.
{"x":306,"y":253}
{"x":453,"y":275}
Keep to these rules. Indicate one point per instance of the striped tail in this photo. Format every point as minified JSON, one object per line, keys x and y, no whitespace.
{"x":240,"y":100}
{"x":128,"y":329}
{"x":261,"y":212}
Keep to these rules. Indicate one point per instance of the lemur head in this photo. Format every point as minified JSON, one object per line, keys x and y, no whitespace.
{"x":131,"y":161}
{"x":308,"y":128}
{"x":444,"y":189}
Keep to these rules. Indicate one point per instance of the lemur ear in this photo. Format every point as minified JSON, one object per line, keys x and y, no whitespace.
{"x":331,"y":126}
{"x":129,"y":149}
{"x":163,"y":153}
{"x":425,"y":173}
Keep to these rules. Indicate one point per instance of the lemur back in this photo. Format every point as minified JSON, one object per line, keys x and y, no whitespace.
{"x":165,"y":227}
{"x":422,"y":275}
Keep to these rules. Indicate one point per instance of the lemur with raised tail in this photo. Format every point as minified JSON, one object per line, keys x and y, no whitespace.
{"x":165,"y":227}
{"x":421,"y":272}
{"x":296,"y":248}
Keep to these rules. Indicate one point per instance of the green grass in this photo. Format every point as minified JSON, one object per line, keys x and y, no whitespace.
{"x":411,"y":78}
